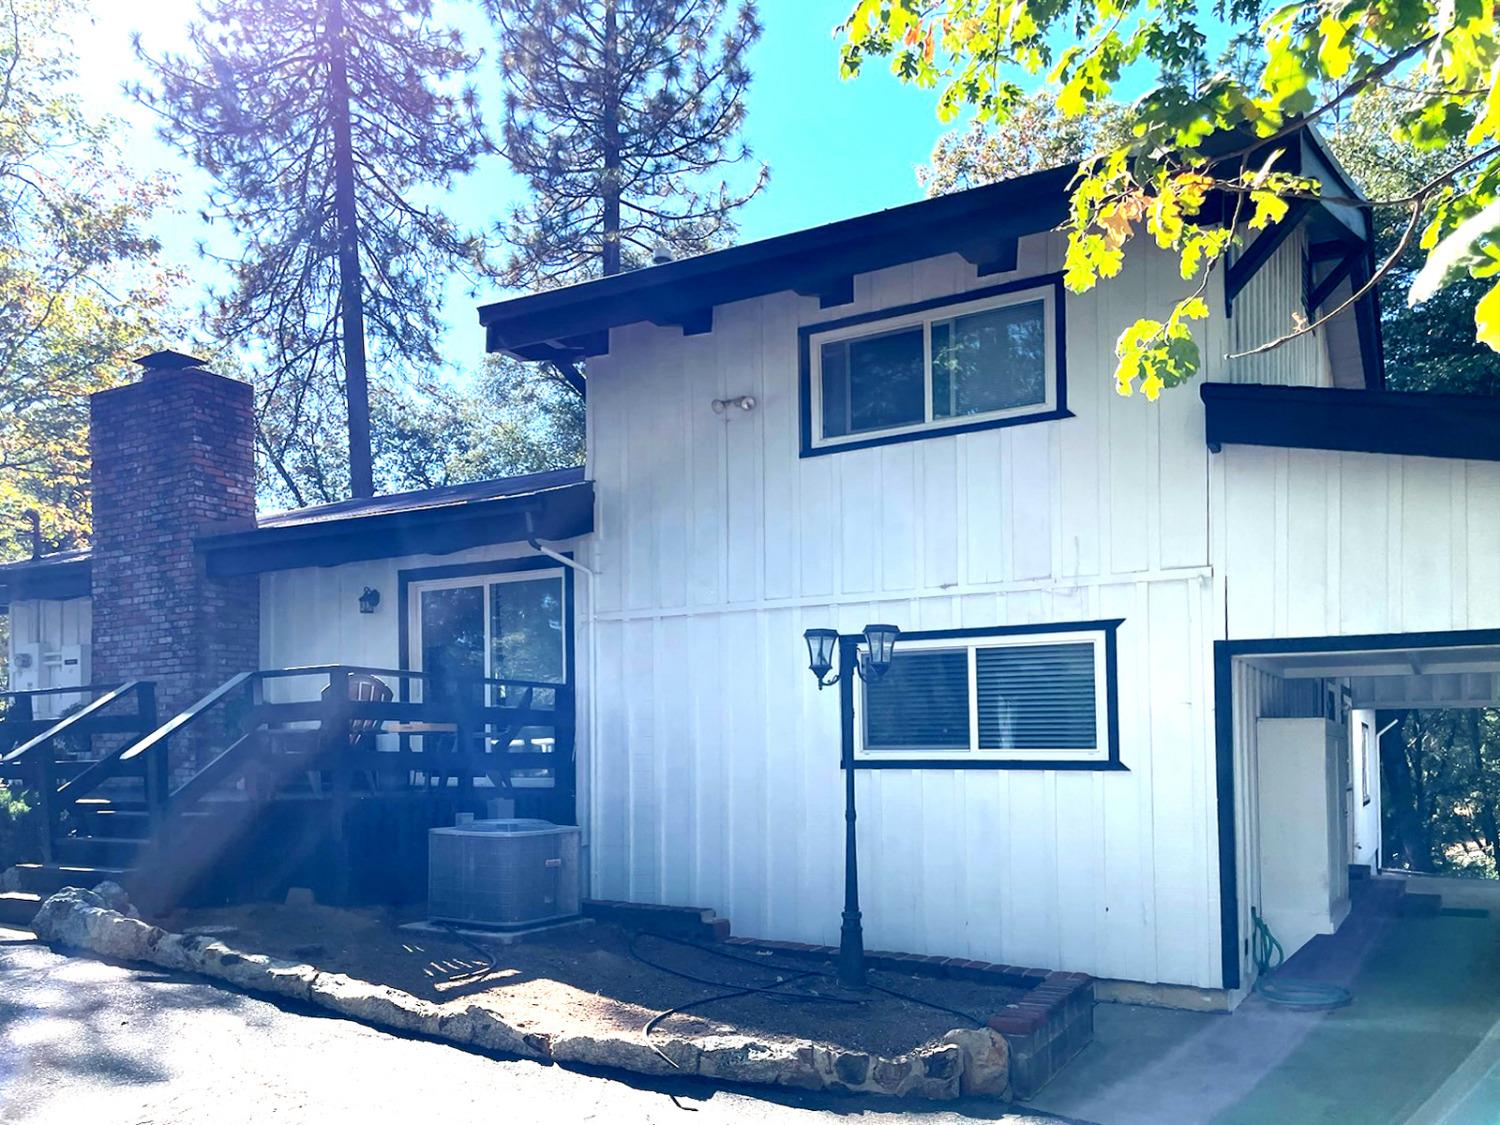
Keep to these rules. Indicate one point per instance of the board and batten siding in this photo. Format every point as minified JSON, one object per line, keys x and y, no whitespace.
{"x":1265,"y":310}
{"x":716,"y":776}
{"x":44,"y":627}
{"x":310,"y":615}
{"x":1318,"y":543}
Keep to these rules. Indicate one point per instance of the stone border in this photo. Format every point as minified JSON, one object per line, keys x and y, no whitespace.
{"x":1043,"y":1030}
{"x":964,"y":1062}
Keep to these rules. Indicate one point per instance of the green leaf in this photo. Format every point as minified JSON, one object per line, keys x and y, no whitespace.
{"x":1453,"y":256}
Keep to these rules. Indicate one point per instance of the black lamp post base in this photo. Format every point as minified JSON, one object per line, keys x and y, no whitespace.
{"x":852,"y":951}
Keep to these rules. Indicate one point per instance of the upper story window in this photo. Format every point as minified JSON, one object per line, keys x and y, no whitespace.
{"x":977,"y":360}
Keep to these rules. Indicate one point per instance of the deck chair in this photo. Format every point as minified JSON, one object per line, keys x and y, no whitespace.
{"x":363,"y":688}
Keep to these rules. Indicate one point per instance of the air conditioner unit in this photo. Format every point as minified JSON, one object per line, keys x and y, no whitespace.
{"x":503,"y":874}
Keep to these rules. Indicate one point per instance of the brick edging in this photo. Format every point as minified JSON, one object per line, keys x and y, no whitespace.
{"x":1043,"y":1029}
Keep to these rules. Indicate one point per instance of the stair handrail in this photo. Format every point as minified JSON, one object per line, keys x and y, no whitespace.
{"x":46,"y":764}
{"x":68,"y":722}
{"x":192,"y":714}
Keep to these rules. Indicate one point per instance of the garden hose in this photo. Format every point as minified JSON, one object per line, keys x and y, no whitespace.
{"x":1309,"y":996}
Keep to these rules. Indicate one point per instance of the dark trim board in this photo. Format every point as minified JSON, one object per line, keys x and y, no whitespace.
{"x":555,"y":514}
{"x":404,"y":578}
{"x":1410,"y":423}
{"x":54,"y":578}
{"x":981,"y":224}
{"x":1058,"y":410}
{"x":1111,"y":763}
{"x":1225,"y":653}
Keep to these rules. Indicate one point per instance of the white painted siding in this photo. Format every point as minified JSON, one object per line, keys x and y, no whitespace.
{"x":1318,"y":543}
{"x":310,"y":615}
{"x":717,"y":779}
{"x":44,"y":628}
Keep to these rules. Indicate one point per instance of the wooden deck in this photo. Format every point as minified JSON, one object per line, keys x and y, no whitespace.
{"x":326,"y":777}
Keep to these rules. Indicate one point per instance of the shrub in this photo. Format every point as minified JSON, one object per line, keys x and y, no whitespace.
{"x":20,"y":827}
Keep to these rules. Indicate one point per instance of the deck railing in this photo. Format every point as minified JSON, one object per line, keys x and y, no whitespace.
{"x":517,"y":733}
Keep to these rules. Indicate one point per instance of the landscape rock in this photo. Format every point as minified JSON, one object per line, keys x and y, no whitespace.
{"x":77,"y":917}
{"x":375,"y":1003}
{"x":623,"y":1053}
{"x":965,"y":1061}
{"x":740,"y":1058}
{"x":112,"y":896}
{"x":986,"y":1069}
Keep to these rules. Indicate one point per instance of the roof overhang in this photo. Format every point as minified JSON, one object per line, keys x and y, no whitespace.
{"x":981,"y":224}
{"x":55,"y":578}
{"x":1414,"y":423}
{"x":556,"y":513}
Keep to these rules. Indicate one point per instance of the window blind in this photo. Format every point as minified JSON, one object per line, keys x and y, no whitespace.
{"x":1037,"y":697}
{"x":921,"y":703}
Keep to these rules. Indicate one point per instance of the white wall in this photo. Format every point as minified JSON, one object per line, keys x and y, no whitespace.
{"x":1365,"y":819}
{"x":717,"y":779}
{"x":1319,"y":543}
{"x":44,"y":628}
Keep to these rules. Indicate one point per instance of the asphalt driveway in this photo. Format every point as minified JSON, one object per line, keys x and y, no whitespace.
{"x":84,"y":1041}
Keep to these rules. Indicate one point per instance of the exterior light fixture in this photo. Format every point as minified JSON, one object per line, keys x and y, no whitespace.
{"x":823,"y":645}
{"x":880,"y":646}
{"x":369,"y":600}
{"x":820,"y":649}
{"x":873,"y":662}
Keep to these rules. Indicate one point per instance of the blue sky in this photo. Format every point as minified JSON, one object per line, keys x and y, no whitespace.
{"x":835,"y":148}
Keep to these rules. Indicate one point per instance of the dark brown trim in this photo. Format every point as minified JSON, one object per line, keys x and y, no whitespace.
{"x":1412,"y":423}
{"x":1058,"y":410}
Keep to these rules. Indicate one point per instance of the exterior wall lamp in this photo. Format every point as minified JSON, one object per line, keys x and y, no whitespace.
{"x":369,"y":600}
{"x":873,"y":662}
{"x":879,"y":646}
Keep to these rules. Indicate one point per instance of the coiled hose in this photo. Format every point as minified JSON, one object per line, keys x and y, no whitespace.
{"x":1309,"y":996}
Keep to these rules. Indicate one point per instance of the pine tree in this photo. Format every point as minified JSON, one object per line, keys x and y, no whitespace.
{"x":327,"y":125}
{"x":622,"y":116}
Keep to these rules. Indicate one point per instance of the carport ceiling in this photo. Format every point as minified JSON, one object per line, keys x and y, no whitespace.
{"x":1467,"y":676}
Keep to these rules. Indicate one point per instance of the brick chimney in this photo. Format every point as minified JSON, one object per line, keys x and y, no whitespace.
{"x":172,"y":454}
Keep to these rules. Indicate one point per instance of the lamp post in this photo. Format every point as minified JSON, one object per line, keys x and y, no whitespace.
{"x":822,"y":646}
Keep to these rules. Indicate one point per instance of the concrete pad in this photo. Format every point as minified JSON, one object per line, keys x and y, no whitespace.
{"x":1418,"y":1043}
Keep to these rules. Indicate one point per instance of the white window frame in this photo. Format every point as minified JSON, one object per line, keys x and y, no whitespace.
{"x":1100,"y":752}
{"x":1046,"y":293}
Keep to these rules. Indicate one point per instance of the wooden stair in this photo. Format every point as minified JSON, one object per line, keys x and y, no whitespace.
{"x":18,"y":908}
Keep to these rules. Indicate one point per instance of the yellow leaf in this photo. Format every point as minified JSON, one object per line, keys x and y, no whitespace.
{"x":1487,"y":318}
{"x":1269,"y":208}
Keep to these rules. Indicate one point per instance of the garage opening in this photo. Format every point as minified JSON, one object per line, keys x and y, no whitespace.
{"x":1346,"y":757}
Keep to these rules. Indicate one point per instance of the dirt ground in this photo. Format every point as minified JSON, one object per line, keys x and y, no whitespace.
{"x":599,"y":978}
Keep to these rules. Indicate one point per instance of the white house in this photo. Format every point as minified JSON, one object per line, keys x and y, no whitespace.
{"x":1130,"y":632}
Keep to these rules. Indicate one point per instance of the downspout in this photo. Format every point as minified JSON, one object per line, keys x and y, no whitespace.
{"x":591,"y":658}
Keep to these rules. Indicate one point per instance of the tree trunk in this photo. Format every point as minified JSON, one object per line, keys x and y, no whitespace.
{"x":351,"y":285}
{"x":1400,"y":799}
{"x":610,"y":183}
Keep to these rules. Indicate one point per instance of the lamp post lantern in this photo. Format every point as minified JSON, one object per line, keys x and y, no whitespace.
{"x":822,"y":646}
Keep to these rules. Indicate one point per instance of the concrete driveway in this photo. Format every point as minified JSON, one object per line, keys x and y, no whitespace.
{"x":83,"y":1041}
{"x":1419,"y":1045}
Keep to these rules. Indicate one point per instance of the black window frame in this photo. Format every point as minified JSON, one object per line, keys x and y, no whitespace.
{"x":1110,"y":693}
{"x":810,"y":425}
